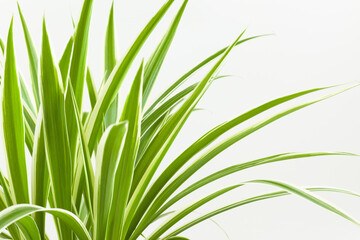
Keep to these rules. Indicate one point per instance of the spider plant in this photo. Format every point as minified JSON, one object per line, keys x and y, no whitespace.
{"x":97,"y":172}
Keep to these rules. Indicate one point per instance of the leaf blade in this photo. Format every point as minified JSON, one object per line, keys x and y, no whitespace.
{"x":16,"y":212}
{"x":124,"y":173}
{"x":110,"y":62}
{"x":33,"y":58}
{"x":107,"y":160}
{"x":152,"y":67}
{"x":13,"y":126}
{"x":248,"y":201}
{"x":55,"y":131}
{"x":109,"y":90}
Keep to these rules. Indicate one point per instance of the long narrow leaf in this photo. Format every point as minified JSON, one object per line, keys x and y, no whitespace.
{"x":163,"y":140}
{"x":55,"y":131}
{"x":89,"y":171}
{"x":33,"y":59}
{"x":2,"y":46}
{"x":78,"y":58}
{"x":64,"y":62}
{"x":248,"y":201}
{"x":180,"y":214}
{"x":40,"y":177}
{"x":29,"y":228}
{"x":29,"y":121}
{"x":91,"y":88}
{"x":158,"y":208}
{"x":110,"y":62}
{"x":13,"y":126}
{"x":77,"y":73}
{"x":124,"y":173}
{"x":109,"y":90}
{"x":210,"y":154}
{"x":148,"y":136}
{"x":295,"y":190}
{"x":182,"y":79}
{"x":107,"y":160}
{"x":152,"y":67}
{"x":242,"y":166}
{"x":165,"y":107}
{"x":16,"y":212}
{"x":25,"y":95}
{"x":308,"y":196}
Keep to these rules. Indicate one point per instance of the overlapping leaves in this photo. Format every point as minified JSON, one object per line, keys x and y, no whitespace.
{"x":97,"y":170}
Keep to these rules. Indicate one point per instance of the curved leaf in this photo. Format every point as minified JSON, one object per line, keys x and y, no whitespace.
{"x":14,"y":213}
{"x":196,"y":147}
{"x":300,"y":192}
{"x":181,"y":80}
{"x":247,"y":201}
{"x":180,"y":214}
{"x":163,"y":140}
{"x":159,"y":206}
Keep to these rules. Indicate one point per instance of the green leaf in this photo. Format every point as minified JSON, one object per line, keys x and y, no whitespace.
{"x":239,"y":167}
{"x":149,"y":135}
{"x":152,"y":67}
{"x":178,"y":238}
{"x":166,"y":136}
{"x":29,"y":131}
{"x":181,"y":80}
{"x":77,"y":72}
{"x":107,"y":160}
{"x":307,"y":195}
{"x":40,"y":176}
{"x":91,"y":88}
{"x":56,"y":139}
{"x":180,"y":214}
{"x":247,"y":201}
{"x":89,"y":171}
{"x":27,"y":99}
{"x":165,"y":107}
{"x":5,"y":236}
{"x":78,"y":58}
{"x":2,"y":46}
{"x":29,"y":120}
{"x":29,"y":228}
{"x":14,"y":213}
{"x":109,"y":90}
{"x":33,"y":59}
{"x":64,"y":62}
{"x":215,"y":150}
{"x":163,"y":140}
{"x":300,"y":192}
{"x":29,"y":115}
{"x":13,"y":126}
{"x":110,"y":62}
{"x":6,"y":189}
{"x":124,"y":173}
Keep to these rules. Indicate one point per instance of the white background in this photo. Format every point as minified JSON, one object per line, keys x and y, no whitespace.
{"x":315,"y":44}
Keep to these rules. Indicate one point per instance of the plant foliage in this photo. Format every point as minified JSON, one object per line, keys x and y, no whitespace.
{"x":120,"y":195}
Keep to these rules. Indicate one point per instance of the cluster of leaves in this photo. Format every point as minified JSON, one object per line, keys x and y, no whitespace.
{"x":119,"y":196}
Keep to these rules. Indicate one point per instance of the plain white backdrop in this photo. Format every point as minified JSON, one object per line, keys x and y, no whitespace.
{"x":315,"y":43}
